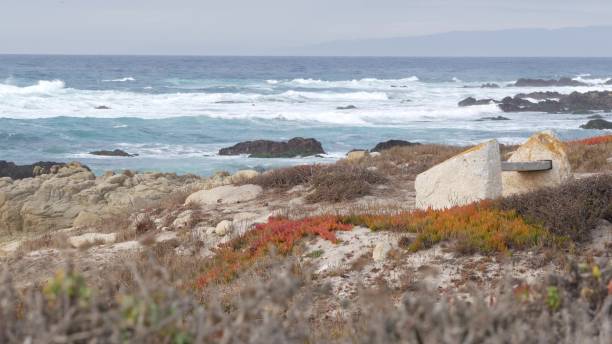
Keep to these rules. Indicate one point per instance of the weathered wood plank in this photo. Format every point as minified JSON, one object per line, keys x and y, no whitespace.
{"x":527,"y":166}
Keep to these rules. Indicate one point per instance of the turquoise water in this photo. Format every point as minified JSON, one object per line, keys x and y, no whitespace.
{"x":176,"y":112}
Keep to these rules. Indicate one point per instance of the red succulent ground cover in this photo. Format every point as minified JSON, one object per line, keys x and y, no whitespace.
{"x":280,"y":233}
{"x":593,"y":140}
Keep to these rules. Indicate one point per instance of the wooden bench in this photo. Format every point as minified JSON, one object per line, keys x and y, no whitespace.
{"x":529,"y":166}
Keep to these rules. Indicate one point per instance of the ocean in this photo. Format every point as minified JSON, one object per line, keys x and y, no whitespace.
{"x":177,"y":112}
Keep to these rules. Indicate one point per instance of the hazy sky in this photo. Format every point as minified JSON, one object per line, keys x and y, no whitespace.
{"x":262,"y":26}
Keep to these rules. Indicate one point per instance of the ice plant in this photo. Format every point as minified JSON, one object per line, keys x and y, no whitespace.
{"x":593,"y":140}
{"x":280,"y":233}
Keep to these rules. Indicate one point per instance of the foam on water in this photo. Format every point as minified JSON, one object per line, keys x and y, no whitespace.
{"x":177,"y":112}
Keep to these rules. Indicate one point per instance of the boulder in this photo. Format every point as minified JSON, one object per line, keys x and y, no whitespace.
{"x":380,"y":252}
{"x":92,"y":238}
{"x":597,"y":124}
{"x":272,"y":149}
{"x":224,"y":227}
{"x":227,"y":194}
{"x":541,"y":146}
{"x":381,"y":146}
{"x":183,"y":219}
{"x":465,"y":178}
{"x":116,"y":152}
{"x":357,"y":154}
{"x":243,"y":175}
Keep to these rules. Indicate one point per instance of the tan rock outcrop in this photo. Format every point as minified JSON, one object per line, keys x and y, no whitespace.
{"x":72,"y":196}
{"x":541,"y":146}
{"x":465,"y":178}
{"x":227,"y":194}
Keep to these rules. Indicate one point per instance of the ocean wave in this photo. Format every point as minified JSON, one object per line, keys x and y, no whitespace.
{"x":128,"y":78}
{"x":591,"y":81}
{"x":366,"y":83}
{"x":42,"y":87}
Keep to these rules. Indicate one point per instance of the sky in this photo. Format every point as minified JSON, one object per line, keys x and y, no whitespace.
{"x":260,"y":27}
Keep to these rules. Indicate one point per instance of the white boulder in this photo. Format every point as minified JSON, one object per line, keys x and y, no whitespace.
{"x":470,"y":176}
{"x":357,"y":155}
{"x":541,"y":146}
{"x":223,"y":228}
{"x":380,"y":252}
{"x":227,"y":194}
{"x":92,"y":238}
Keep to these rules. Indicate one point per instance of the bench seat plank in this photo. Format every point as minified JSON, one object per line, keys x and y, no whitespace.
{"x":527,"y":166}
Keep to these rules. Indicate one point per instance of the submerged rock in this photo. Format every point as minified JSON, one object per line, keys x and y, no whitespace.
{"x":471,"y":101}
{"x":498,"y":118}
{"x":597,"y":124}
{"x":548,"y":83}
{"x":273,"y":149}
{"x":116,"y":152}
{"x":102,"y":107}
{"x":489,"y":85}
{"x":348,"y":107}
{"x":381,"y":146}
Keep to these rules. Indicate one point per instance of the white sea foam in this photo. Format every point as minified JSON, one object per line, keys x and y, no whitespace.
{"x":591,"y":81}
{"x":128,"y":78}
{"x":42,"y":87}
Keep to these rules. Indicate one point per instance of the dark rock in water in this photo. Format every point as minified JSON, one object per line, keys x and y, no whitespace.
{"x":517,"y":104}
{"x":498,"y":118}
{"x":595,"y":117}
{"x":609,"y":82}
{"x":272,"y":149}
{"x":348,"y":107}
{"x":489,"y":85}
{"x":102,"y":107}
{"x":392,"y":143}
{"x":116,"y":152}
{"x":597,"y":124}
{"x":548,"y":83}
{"x":9,"y":169}
{"x":471,"y":101}
{"x":574,"y":102}
{"x":540,"y":95}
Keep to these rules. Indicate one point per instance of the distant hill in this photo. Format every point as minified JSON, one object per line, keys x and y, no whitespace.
{"x":582,"y":41}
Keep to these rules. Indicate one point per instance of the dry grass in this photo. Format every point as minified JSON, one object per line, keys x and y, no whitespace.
{"x":44,"y":241}
{"x":590,"y":155}
{"x":342,"y":182}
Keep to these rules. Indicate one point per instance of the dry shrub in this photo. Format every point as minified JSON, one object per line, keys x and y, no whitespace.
{"x":571,"y":210}
{"x":574,"y":307}
{"x":409,"y":161}
{"x":590,"y":155}
{"x":44,"y":241}
{"x":286,"y":177}
{"x":342,"y":182}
